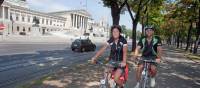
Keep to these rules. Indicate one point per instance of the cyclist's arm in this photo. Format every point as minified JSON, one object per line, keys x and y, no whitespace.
{"x":125,"y":48}
{"x":159,"y":54}
{"x":137,"y":51}
{"x":159,"y":48}
{"x":103,"y":48}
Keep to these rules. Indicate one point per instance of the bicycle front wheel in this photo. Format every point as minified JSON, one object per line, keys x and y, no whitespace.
{"x":144,"y":82}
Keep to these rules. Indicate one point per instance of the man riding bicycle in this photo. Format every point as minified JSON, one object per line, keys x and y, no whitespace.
{"x":150,"y":45}
{"x":118,"y":52}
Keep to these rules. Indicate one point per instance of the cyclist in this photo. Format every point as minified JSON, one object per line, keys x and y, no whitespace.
{"x":118,"y":52}
{"x":151,"y":49}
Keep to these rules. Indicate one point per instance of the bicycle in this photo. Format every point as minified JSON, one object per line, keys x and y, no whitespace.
{"x":108,"y":79}
{"x":144,"y":82}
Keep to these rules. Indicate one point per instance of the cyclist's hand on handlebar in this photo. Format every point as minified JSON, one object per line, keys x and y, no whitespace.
{"x":93,"y":60}
{"x":158,"y":60}
{"x":123,"y":64}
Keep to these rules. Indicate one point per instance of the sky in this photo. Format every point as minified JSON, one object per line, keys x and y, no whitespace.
{"x":94,"y":7}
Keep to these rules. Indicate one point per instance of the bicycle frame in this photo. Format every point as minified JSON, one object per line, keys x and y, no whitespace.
{"x":145,"y":73}
{"x":107,"y":81}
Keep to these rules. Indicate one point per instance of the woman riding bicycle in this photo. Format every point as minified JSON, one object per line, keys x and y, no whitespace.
{"x":118,"y":52}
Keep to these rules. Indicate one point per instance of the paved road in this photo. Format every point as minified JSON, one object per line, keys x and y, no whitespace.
{"x":25,"y":62}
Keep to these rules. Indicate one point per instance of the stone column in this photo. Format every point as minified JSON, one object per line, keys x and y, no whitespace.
{"x":72,"y":20}
{"x":3,"y":15}
{"x":78,"y":21}
{"x":81,"y":22}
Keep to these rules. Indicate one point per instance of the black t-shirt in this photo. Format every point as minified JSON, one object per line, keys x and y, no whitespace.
{"x":148,"y":48}
{"x":116,"y":52}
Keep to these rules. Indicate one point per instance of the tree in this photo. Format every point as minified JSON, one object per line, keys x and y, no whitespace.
{"x":116,"y":8}
{"x":137,"y":7}
{"x":1,"y":2}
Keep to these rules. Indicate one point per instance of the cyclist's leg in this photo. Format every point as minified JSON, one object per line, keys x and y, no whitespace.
{"x":117,"y":75}
{"x":153,"y":70}
{"x":107,"y":72}
{"x":139,"y":71}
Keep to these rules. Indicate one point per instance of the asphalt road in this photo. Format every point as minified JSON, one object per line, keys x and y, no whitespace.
{"x":21,"y":63}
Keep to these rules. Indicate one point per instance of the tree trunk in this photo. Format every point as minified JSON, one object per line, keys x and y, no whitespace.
{"x":191,"y":46}
{"x":189,"y":36}
{"x":143,"y":32}
{"x":115,"y":12}
{"x":134,"y":36}
{"x":135,"y":22}
{"x":197,"y":38}
{"x":181,"y":44}
{"x":196,"y":45}
{"x":178,"y":39}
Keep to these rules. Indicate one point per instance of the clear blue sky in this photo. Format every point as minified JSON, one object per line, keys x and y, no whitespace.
{"x":94,"y":7}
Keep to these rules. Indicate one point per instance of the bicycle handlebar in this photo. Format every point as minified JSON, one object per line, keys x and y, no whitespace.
{"x":148,"y":61}
{"x":111,"y":64}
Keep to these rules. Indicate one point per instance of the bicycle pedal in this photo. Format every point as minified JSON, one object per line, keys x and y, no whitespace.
{"x":103,"y":81}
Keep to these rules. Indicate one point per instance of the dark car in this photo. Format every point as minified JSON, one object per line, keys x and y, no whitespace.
{"x":82,"y":45}
{"x":22,"y":33}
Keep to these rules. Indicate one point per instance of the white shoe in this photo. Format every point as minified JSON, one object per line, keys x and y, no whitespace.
{"x":137,"y":85}
{"x":153,"y":82}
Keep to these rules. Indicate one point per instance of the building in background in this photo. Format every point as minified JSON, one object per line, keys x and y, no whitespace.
{"x":18,"y":20}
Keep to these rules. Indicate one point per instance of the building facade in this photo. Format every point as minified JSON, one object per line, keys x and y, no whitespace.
{"x":18,"y":18}
{"x":77,"y":20}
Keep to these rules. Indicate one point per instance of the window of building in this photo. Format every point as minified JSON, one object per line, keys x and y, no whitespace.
{"x":11,"y":16}
{"x":50,"y":22}
{"x":17,"y":17}
{"x":23,"y":18}
{"x":24,"y":29}
{"x":1,"y":11}
{"x":6,"y":12}
{"x":29,"y":19}
{"x":47,"y":22}
{"x":29,"y":29}
{"x":18,"y":28}
{"x":43,"y":21}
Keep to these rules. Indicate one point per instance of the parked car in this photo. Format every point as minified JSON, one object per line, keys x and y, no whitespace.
{"x":82,"y":45}
{"x":22,"y":33}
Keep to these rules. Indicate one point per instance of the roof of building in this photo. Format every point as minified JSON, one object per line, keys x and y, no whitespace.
{"x":80,"y":11}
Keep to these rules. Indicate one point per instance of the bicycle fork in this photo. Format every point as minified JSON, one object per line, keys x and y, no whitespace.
{"x":145,"y":76}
